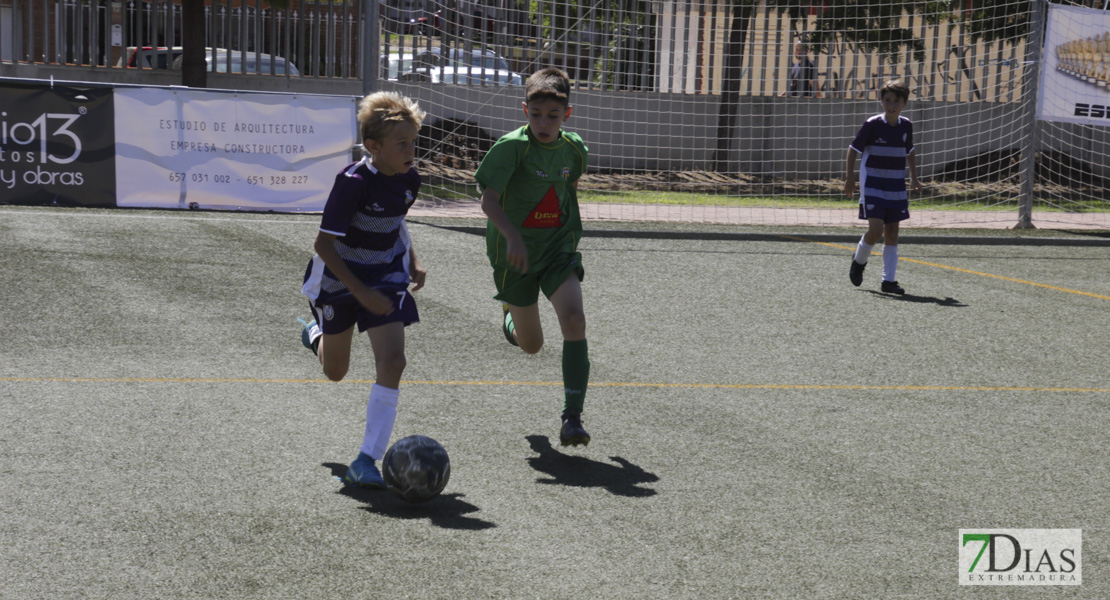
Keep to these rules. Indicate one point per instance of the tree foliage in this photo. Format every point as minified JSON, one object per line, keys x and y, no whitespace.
{"x":571,"y":15}
{"x":990,"y":21}
{"x":878,"y":25}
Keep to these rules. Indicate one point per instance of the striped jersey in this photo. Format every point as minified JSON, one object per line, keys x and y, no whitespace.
{"x":366,"y":211}
{"x":882,"y":171}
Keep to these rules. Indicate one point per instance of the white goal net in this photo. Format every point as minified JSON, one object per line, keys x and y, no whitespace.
{"x":742,"y":112}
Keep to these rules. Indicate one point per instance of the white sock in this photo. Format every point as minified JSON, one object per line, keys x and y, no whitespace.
{"x":890,"y":262}
{"x":863,"y":251}
{"x":381,"y":412}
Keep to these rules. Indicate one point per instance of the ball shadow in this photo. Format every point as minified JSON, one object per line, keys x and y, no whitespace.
{"x":446,"y":510}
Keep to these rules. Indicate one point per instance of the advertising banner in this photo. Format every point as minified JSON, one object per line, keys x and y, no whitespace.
{"x":1075,"y":73}
{"x":56,"y":146}
{"x":230,"y":151}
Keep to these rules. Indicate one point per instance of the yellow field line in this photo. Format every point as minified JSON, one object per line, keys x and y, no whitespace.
{"x":959,"y":270}
{"x":1004,"y":278}
{"x":614,"y":384}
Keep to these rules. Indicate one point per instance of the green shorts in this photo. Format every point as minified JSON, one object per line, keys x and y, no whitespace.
{"x":523,"y":289}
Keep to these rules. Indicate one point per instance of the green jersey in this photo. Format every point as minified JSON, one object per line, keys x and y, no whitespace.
{"x":536,"y":183}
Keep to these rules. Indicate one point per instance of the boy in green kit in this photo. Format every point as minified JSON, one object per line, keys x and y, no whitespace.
{"x":529,"y":182}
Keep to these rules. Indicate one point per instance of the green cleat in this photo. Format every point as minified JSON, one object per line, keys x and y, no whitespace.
{"x":507,"y":325}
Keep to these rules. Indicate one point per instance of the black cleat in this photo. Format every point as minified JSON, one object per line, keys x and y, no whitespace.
{"x":507,"y":325}
{"x":572,"y":433}
{"x":856,"y":273}
{"x":892,"y":287}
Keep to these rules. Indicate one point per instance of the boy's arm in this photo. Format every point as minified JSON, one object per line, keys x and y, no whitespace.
{"x":850,"y":174}
{"x":911,"y":164}
{"x":515,"y":251}
{"x":417,"y":273}
{"x":373,"y":300}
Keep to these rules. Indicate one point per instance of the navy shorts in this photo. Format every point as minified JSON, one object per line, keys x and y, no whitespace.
{"x":888,"y":211}
{"x":340,"y":316}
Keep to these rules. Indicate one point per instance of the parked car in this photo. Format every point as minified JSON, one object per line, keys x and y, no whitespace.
{"x":475,"y":66}
{"x":256,"y":64}
{"x":450,"y":75}
{"x":149,"y":57}
{"x":395,"y":65}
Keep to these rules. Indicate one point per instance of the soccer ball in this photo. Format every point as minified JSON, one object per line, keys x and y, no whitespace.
{"x":416,"y":468}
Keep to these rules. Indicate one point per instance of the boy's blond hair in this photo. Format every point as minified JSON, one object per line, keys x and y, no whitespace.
{"x":548,"y":84}
{"x":380,"y":111}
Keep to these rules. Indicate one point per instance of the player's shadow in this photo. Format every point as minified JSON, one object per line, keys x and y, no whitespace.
{"x":446,"y":510}
{"x":920,"y":299}
{"x":578,"y":471}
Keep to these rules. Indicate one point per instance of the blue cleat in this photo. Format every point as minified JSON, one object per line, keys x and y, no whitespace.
{"x":364,"y":474}
{"x":310,"y":334}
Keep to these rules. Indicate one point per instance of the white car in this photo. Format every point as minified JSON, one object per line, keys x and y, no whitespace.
{"x":430,"y":67}
{"x":395,"y":65}
{"x":255,"y":63}
{"x":456,"y":66}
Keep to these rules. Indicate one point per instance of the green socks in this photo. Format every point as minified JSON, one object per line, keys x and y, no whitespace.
{"x":576,"y":374}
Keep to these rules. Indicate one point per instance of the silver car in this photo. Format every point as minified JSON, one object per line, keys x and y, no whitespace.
{"x":474,"y":67}
{"x":222,"y":60}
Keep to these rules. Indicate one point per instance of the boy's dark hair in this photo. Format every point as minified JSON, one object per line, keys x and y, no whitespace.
{"x":897,"y":87}
{"x":548,"y":84}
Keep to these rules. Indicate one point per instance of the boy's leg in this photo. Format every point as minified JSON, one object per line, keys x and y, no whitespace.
{"x":388,"y":342}
{"x":381,"y":413}
{"x":863,"y":250}
{"x":890,"y":233}
{"x":890,"y":259}
{"x":519,"y":295}
{"x":332,"y":327}
{"x":526,"y":327}
{"x":875,"y":229}
{"x":334,"y":351}
{"x":567,"y":301}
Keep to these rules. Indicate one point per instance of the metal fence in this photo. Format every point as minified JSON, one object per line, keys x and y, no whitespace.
{"x":678,"y":46}
{"x":320,"y":40}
